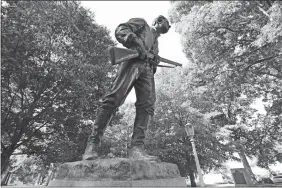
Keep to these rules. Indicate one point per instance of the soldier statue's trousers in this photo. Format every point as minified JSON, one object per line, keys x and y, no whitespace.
{"x":134,"y":73}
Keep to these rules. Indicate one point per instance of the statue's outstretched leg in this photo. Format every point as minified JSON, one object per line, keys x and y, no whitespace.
{"x":145,"y":104}
{"x":136,"y":151}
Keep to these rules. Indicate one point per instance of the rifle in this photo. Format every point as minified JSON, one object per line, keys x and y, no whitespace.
{"x":118,"y":55}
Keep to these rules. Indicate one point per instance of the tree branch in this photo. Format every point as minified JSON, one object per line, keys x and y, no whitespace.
{"x":11,"y":104}
{"x":270,"y":74}
{"x":8,"y":113}
{"x":30,"y":136}
{"x":3,"y":146}
{"x":260,"y":61}
{"x":49,"y":105}
{"x":263,"y":11}
{"x":227,"y":28}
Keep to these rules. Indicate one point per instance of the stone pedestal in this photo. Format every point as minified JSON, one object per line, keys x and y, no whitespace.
{"x":118,"y":172}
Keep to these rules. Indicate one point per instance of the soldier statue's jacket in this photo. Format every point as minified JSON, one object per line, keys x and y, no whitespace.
{"x":137,"y":27}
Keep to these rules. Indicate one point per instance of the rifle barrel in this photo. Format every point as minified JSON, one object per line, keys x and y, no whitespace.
{"x":169,"y":61}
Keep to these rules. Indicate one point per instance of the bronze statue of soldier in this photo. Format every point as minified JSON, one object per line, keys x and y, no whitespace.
{"x":138,"y":73}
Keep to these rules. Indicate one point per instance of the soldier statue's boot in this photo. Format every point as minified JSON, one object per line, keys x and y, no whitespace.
{"x":94,"y":141}
{"x":138,"y":153}
{"x":92,"y":149}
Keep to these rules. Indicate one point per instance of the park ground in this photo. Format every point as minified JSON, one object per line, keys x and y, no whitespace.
{"x":207,"y":185}
{"x":221,"y":186}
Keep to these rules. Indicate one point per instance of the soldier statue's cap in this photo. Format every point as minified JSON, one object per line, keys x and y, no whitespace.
{"x":159,"y":18}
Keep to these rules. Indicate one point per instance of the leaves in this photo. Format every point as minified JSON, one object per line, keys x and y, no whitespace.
{"x":54,"y":70}
{"x":235,"y":51}
{"x":179,"y":103}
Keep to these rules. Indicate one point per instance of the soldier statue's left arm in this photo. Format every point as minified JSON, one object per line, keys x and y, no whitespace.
{"x":127,"y":35}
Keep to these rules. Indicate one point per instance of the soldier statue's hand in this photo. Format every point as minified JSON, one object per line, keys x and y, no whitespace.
{"x":157,"y":60}
{"x":142,"y":53}
{"x":140,"y":48}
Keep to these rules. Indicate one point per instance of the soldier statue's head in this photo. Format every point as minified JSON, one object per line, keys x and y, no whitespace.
{"x":161,"y":24}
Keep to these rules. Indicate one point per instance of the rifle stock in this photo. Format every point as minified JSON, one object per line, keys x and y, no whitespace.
{"x":118,"y":55}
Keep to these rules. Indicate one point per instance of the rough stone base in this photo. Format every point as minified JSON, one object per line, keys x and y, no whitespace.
{"x":172,"y":182}
{"x":117,"y":172}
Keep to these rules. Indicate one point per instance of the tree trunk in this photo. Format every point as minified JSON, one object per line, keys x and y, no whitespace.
{"x":5,"y":176}
{"x":8,"y":151}
{"x":50,"y":173}
{"x":5,"y":157}
{"x":4,"y":163}
{"x":192,"y":179}
{"x":246,"y":163}
{"x":38,"y":179}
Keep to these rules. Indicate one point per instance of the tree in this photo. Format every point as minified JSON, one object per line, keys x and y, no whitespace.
{"x":236,"y":51}
{"x":178,"y":103}
{"x":54,"y":69}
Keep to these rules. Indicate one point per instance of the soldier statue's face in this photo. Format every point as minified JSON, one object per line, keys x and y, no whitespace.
{"x":163,"y":26}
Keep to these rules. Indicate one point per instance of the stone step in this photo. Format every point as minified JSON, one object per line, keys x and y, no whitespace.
{"x":117,"y":172}
{"x":172,"y":182}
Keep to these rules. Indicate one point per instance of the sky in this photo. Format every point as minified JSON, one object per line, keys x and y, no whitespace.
{"x":112,"y":13}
